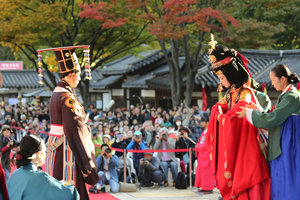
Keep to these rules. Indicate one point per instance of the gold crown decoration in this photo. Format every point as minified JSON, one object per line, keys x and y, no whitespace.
{"x":212,"y":43}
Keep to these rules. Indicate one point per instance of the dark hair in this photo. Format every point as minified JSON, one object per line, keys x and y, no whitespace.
{"x":104,"y":145}
{"x":29,"y":145}
{"x":282,"y":70}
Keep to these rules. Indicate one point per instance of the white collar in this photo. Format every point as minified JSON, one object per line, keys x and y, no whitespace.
{"x":284,"y":91}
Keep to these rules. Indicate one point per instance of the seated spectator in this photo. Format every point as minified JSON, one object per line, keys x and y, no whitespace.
{"x":130,"y":135}
{"x":7,"y":143}
{"x":23,"y":118}
{"x":90,"y":108}
{"x":107,"y":140}
{"x":43,"y":115}
{"x":106,"y":167}
{"x":158,"y":119}
{"x":121,"y":126}
{"x":8,"y":120}
{"x":125,"y":130}
{"x":137,"y":143}
{"x":167,"y":159}
{"x":166,"y":121}
{"x":100,"y":130}
{"x":96,"y":139}
{"x":93,"y":113}
{"x":185,"y":140}
{"x":150,"y":170}
{"x":138,"y":116}
{"x":28,"y":183}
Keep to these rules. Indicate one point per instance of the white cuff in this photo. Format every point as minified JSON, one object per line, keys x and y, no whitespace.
{"x":249,"y":115}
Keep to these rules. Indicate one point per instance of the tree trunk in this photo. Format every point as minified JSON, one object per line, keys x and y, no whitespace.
{"x":190,"y":81}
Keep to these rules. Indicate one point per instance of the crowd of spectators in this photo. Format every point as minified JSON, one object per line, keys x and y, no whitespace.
{"x":137,"y":128}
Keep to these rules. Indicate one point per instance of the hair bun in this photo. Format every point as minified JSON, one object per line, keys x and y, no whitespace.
{"x":293,"y":78}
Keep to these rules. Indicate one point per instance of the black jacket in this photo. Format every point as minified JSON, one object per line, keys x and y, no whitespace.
{"x":185,"y":144}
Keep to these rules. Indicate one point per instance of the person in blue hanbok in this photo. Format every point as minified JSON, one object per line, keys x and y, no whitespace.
{"x":283,"y":122}
{"x":28,"y":183}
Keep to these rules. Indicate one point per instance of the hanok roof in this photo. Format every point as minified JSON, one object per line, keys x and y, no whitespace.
{"x":142,"y":81}
{"x":105,"y":82}
{"x":26,"y":78}
{"x":132,"y":63}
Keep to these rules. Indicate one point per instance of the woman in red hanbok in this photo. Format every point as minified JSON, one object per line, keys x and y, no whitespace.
{"x":204,"y":175}
{"x":240,"y":169}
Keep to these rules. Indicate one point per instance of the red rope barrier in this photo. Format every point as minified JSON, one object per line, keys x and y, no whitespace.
{"x":18,"y":128}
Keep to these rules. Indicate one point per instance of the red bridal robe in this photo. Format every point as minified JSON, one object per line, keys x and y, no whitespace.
{"x":240,"y":169}
{"x":204,"y":175}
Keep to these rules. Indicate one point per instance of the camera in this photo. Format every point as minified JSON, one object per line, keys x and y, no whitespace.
{"x":182,"y":133}
{"x":145,"y":160}
{"x":16,"y":144}
{"x":164,"y":136}
{"x":108,"y":150}
{"x":183,"y":105}
{"x":123,"y":144}
{"x":5,"y":141}
{"x":138,"y":137}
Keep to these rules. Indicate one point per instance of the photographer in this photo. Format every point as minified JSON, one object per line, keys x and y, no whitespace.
{"x":120,"y":143}
{"x":167,"y":159}
{"x":185,"y":140}
{"x":106,"y":168}
{"x":96,"y":139}
{"x":7,"y":143}
{"x":195,"y":126}
{"x":137,"y":143}
{"x":151,"y":170}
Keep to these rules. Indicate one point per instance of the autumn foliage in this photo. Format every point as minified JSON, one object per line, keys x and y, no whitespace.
{"x":168,"y":19}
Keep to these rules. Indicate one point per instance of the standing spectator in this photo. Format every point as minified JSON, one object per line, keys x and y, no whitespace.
{"x":150,"y":170}
{"x":120,"y":143}
{"x":185,"y":140}
{"x":167,"y":159}
{"x":137,"y":143}
{"x":107,"y":140}
{"x":185,"y":112}
{"x":149,"y":134}
{"x":196,"y":128}
{"x":106,"y":168}
{"x":18,"y":113}
{"x":9,"y":111}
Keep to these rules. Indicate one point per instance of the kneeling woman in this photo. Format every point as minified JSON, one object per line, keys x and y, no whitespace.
{"x":28,"y":183}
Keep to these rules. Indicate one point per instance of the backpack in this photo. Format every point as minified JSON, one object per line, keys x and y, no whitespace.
{"x":181,"y":182}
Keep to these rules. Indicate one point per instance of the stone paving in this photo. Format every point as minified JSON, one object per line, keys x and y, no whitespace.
{"x":169,"y":192}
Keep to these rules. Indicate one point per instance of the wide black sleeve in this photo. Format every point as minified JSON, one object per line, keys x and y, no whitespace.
{"x":79,"y":139}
